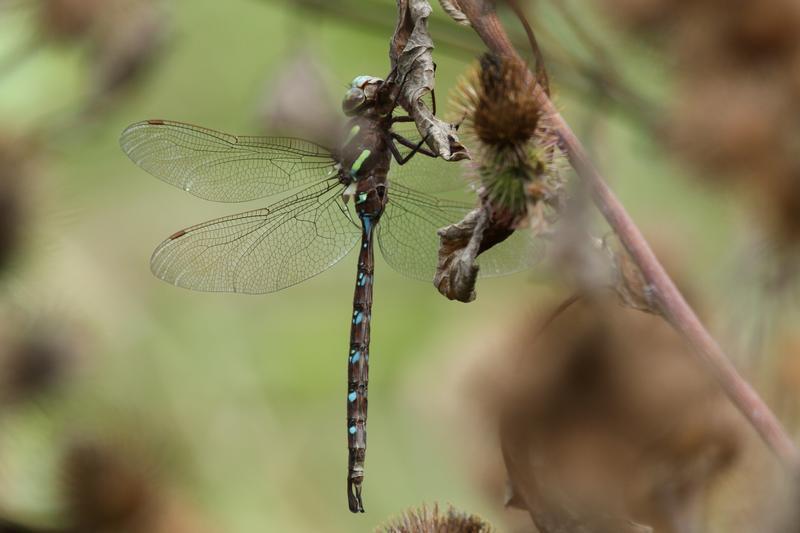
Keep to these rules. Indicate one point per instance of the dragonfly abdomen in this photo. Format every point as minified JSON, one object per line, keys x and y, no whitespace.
{"x":358,"y":367}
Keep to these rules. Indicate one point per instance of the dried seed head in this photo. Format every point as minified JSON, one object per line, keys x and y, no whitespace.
{"x":424,"y":520}
{"x":507,"y":112}
{"x":517,"y":158}
{"x":107,"y":490}
{"x":499,"y":105}
{"x":599,"y":394}
{"x":517,"y":161}
{"x":35,"y":358}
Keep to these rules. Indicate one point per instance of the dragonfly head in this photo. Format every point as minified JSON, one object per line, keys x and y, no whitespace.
{"x":362,"y":93}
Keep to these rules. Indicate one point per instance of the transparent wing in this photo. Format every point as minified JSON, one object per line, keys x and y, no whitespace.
{"x":408,"y":240}
{"x":519,"y":252}
{"x":263,"y":250}
{"x":407,"y":230}
{"x":222,"y":167}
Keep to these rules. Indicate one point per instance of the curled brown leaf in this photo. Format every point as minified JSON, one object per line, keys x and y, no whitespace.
{"x":413,"y":69}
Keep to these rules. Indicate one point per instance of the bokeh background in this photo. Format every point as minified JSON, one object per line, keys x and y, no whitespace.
{"x":238,"y":402}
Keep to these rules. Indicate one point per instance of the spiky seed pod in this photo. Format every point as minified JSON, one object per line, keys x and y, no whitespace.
{"x":516,"y":160}
{"x":506,"y":113}
{"x":425,"y":520}
{"x":515,"y":153}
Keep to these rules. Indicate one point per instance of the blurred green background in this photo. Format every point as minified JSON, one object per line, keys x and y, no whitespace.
{"x":244,"y":397}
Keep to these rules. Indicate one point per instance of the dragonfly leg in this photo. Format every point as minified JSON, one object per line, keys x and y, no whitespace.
{"x":415,"y":148}
{"x":396,"y":95}
{"x":402,"y":118}
{"x":433,"y":92}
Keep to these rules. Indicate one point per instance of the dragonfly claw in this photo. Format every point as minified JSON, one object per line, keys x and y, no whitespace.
{"x":354,"y":495}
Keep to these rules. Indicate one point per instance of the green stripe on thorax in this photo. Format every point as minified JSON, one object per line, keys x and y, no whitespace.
{"x":353,"y":132}
{"x":359,"y":161}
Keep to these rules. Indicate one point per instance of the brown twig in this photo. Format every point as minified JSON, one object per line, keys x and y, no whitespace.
{"x":672,"y":304}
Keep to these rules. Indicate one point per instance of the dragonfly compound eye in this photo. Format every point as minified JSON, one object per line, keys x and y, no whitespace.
{"x":353,"y":99}
{"x":370,"y":91}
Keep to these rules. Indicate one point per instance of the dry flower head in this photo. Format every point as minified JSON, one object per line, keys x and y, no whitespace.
{"x":426,"y":520}
{"x":516,"y":161}
{"x":605,"y":418}
{"x":515,"y":153}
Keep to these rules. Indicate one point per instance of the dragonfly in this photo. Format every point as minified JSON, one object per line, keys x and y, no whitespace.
{"x":332,"y":200}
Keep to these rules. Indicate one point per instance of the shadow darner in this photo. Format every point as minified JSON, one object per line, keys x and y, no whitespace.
{"x":313,"y":226}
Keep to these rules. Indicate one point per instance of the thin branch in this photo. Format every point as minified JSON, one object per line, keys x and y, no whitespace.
{"x":574,"y":73}
{"x":672,"y":304}
{"x":541,"y":70}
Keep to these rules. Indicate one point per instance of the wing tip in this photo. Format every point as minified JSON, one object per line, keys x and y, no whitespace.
{"x":123,"y":137}
{"x":142,"y":123}
{"x":177,"y":235}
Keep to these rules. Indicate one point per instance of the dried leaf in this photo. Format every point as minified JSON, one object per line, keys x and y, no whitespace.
{"x":459,"y":246}
{"x":629,"y":283}
{"x":413,"y":69}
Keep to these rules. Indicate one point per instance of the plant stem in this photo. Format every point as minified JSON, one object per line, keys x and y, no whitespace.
{"x":672,"y":303}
